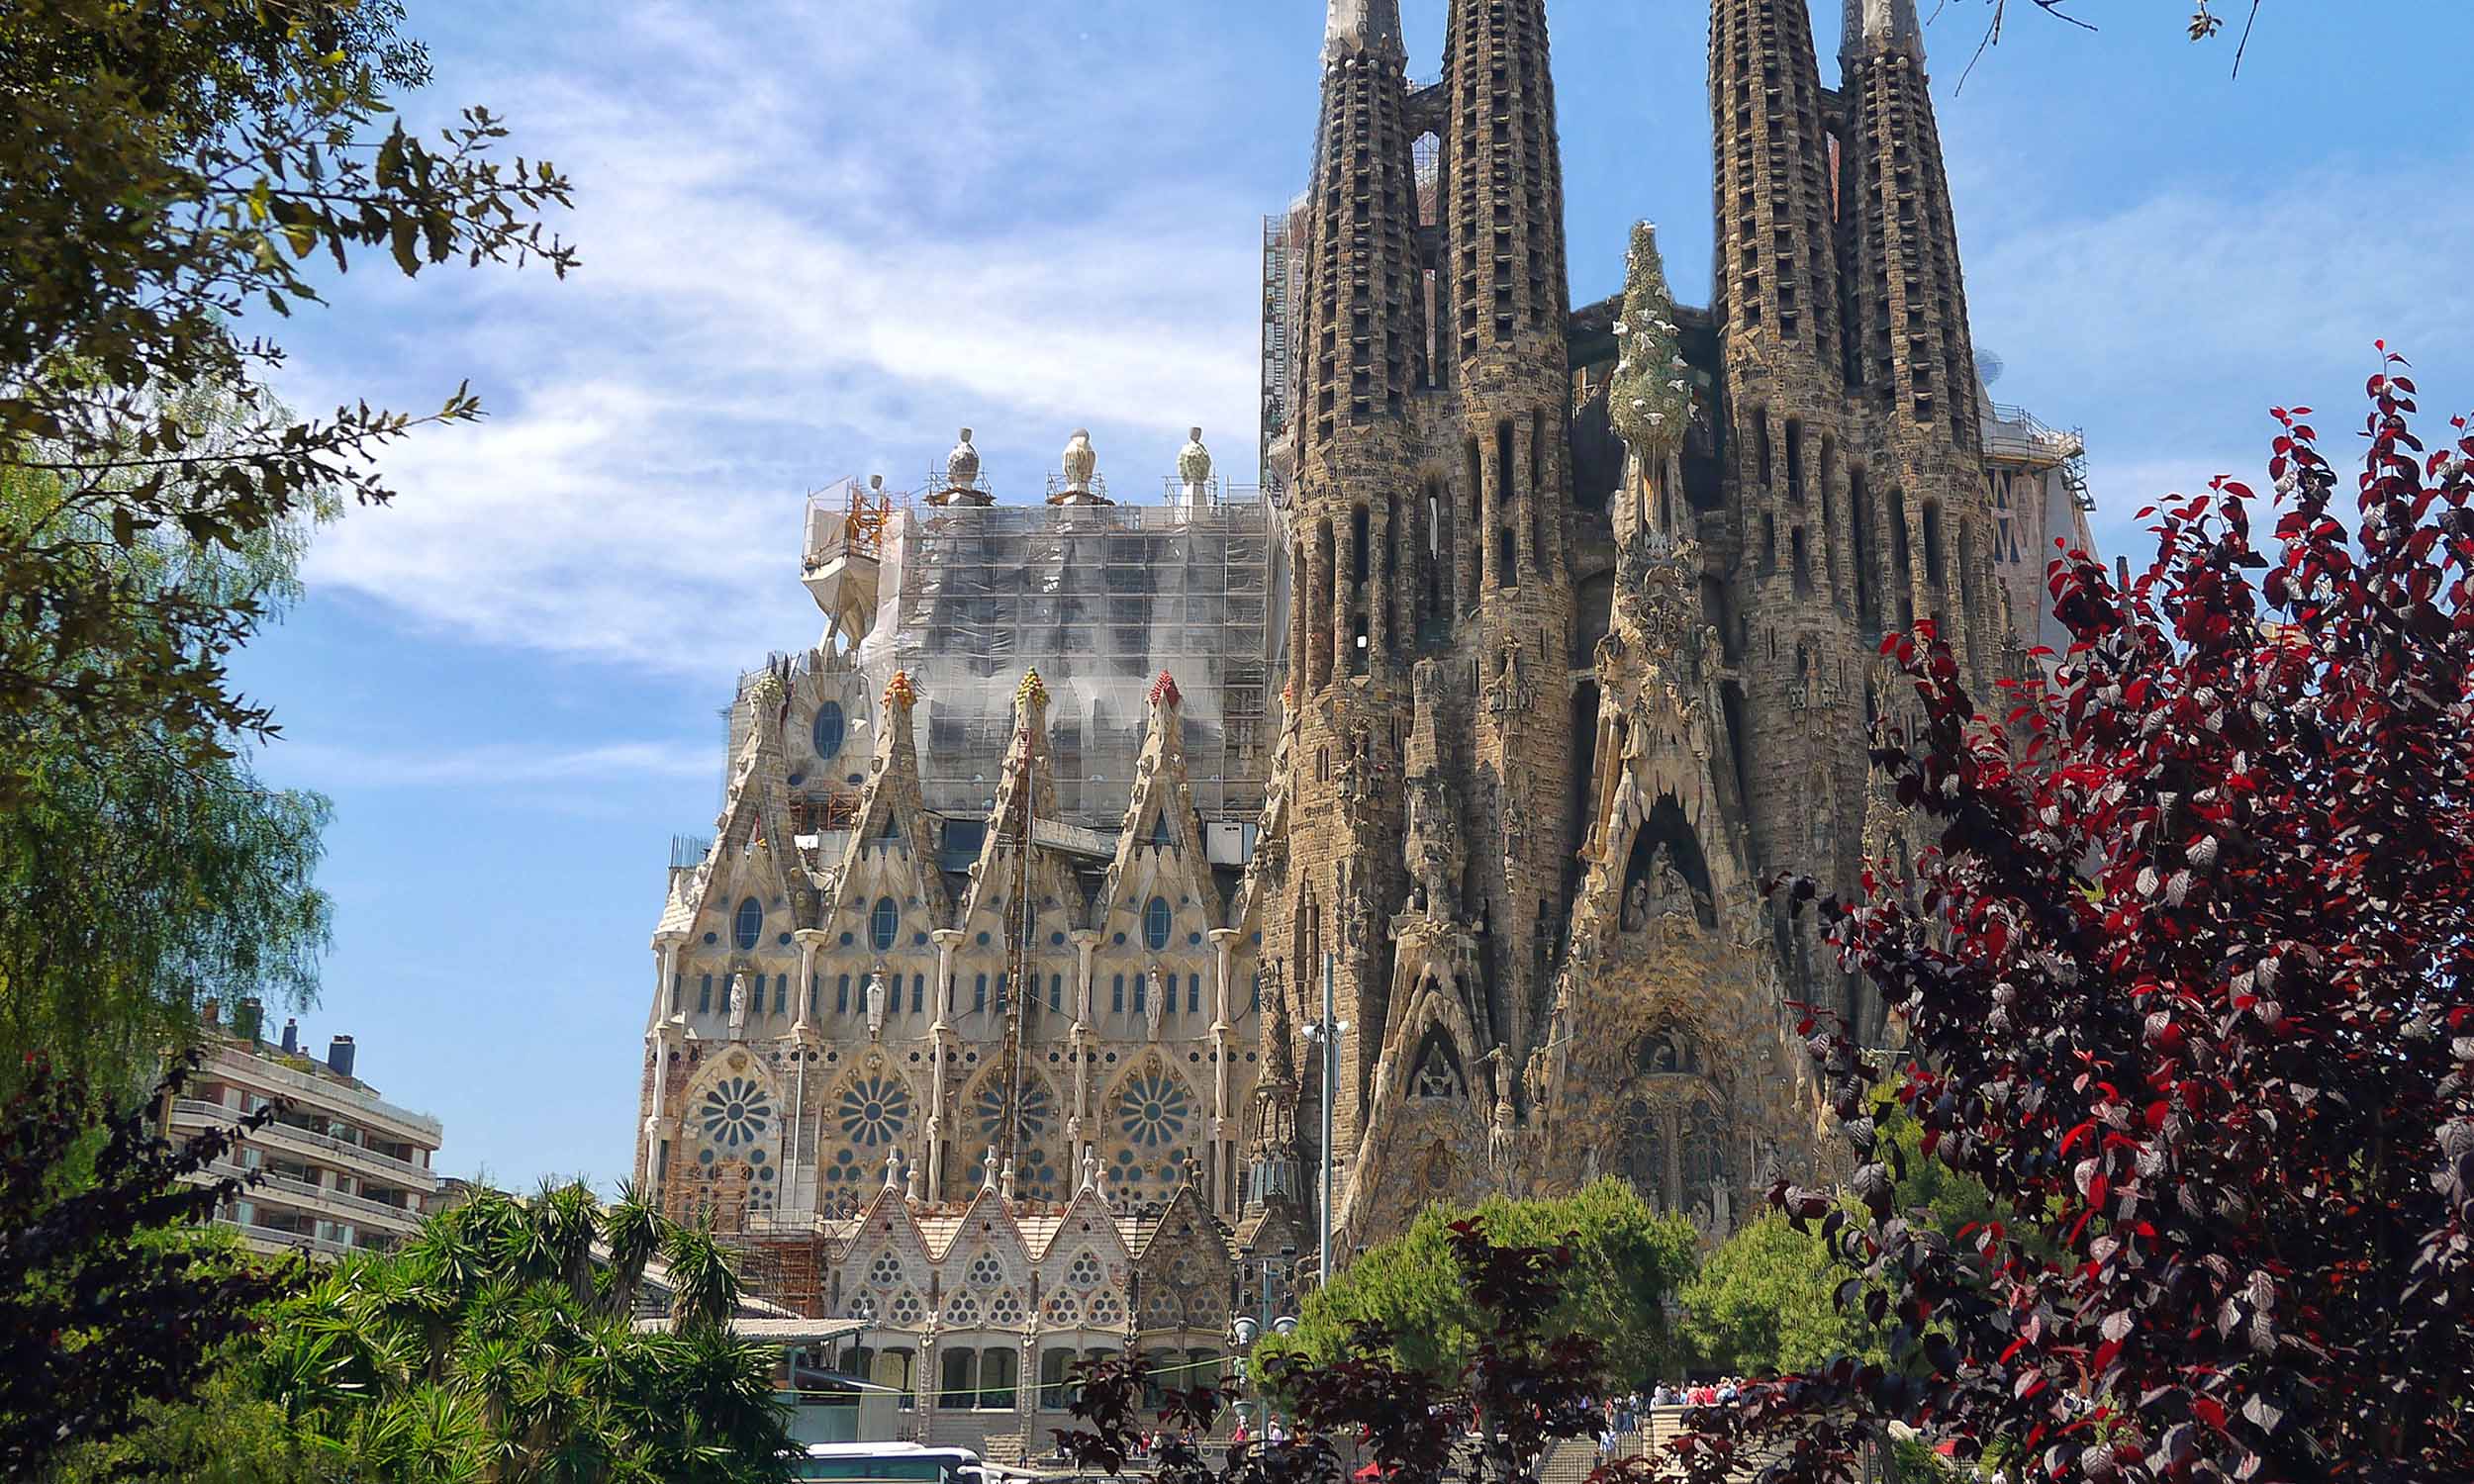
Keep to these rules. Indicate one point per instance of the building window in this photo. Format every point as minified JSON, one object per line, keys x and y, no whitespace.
{"x":1142,"y":994}
{"x":996,"y":1379}
{"x":1116,"y":993}
{"x":979,"y":992}
{"x":918,"y":993}
{"x":1056,"y":991}
{"x":815,"y":987}
{"x":704,"y":995}
{"x":1194,"y":995}
{"x":828,"y":730}
{"x":960,"y":1368}
{"x":678,"y":992}
{"x":841,"y":994}
{"x":884,"y":924}
{"x":1001,"y":993}
{"x":1156,"y":924}
{"x":1256,"y":992}
{"x":749,"y":925}
{"x":781,"y":994}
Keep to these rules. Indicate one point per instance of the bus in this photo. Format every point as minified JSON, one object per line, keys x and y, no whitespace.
{"x":912,"y":1463}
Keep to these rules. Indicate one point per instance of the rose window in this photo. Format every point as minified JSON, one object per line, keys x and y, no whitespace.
{"x":1153,"y":1110}
{"x":962,"y":1308}
{"x":907,"y":1308}
{"x":987,"y":1109}
{"x":1061,"y":1309}
{"x":885,"y":1272}
{"x":1007,"y":1310}
{"x":1084,"y":1273}
{"x":874,"y":1111}
{"x":1105,"y":1310}
{"x":860,"y":1305}
{"x":986,"y":1272}
{"x":734,"y":1112}
{"x":1161,"y":1310}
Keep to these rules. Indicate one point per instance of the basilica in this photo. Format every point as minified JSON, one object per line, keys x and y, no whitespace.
{"x":1128,"y":889}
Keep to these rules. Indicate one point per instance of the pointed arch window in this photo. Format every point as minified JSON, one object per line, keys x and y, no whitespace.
{"x":1117,"y":992}
{"x":748,"y":925}
{"x":1160,"y":833}
{"x":1156,"y":924}
{"x":884,"y":924}
{"x":841,"y":994}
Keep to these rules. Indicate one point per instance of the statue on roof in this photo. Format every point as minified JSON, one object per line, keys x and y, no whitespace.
{"x":1193,"y":470}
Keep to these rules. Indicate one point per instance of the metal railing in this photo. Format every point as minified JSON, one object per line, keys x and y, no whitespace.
{"x":279,"y":1132}
{"x":245,"y":1065}
{"x":286,"y":1191}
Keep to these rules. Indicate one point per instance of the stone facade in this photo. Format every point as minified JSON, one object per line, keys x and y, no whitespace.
{"x":1577,"y":616}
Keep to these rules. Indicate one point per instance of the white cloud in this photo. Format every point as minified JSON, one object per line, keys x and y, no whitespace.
{"x":813,"y":245}
{"x":326,"y":766}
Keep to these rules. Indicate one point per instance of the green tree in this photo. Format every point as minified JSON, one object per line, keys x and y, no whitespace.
{"x":499,"y":1346}
{"x":138,"y":875}
{"x":167,"y":167}
{"x":1626,"y":1260}
{"x":1762,"y":1304}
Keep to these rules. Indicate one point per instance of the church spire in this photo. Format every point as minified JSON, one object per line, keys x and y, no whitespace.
{"x":1873,"y":27}
{"x":1363,"y":25}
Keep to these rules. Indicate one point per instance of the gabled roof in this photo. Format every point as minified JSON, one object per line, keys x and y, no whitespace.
{"x":1025,"y":774}
{"x":1162,"y":807}
{"x":755,"y":820}
{"x":892,"y":797}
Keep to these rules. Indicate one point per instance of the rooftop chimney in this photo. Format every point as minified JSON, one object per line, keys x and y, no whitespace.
{"x":291,"y":1036}
{"x":340,"y":1056}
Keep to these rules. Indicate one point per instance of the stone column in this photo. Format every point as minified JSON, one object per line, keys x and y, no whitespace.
{"x":947,"y":940}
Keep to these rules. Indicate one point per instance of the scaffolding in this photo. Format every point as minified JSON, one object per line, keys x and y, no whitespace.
{"x":1101,"y":598}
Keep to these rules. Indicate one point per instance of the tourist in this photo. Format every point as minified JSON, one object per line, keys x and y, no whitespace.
{"x":1242,"y":1435}
{"x":1274,"y":1433}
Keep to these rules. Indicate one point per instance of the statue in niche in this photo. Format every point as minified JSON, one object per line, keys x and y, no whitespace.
{"x":1154,"y":1003}
{"x":876,"y":1004}
{"x":1508,"y":691}
{"x":1499,"y":1138}
{"x":738,"y":999}
{"x":1636,"y":914}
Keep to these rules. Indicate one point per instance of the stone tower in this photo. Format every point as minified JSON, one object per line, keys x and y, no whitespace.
{"x":1575,"y":619}
{"x":1589,"y":618}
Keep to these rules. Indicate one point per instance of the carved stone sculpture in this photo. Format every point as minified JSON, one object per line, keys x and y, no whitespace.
{"x":1193,"y":469}
{"x":962,"y":466}
{"x":1082,"y":461}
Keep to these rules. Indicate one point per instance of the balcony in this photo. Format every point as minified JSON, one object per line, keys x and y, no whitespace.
{"x":418,"y":1177}
{"x":266,"y":1075}
{"x":284,"y":1190}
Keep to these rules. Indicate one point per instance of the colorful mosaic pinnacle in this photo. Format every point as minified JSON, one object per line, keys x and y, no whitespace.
{"x":1033,"y":691}
{"x":1164,"y":691}
{"x":899,"y":694}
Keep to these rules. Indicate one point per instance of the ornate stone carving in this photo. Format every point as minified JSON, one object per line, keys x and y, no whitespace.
{"x":962,"y":466}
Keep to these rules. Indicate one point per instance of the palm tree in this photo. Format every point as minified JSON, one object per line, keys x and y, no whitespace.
{"x":497,"y":1347}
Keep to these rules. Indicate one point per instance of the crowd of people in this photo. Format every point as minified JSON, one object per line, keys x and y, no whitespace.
{"x":1622,"y":1414}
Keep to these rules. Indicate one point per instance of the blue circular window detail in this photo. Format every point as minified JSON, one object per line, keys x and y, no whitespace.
{"x":829,"y":728}
{"x":712,"y":938}
{"x":1156,"y":924}
{"x":919,"y":940}
{"x":983,"y":940}
{"x":1055,"y":938}
{"x":783,"y":939}
{"x":846,"y":940}
{"x":748,"y":925}
{"x":884,"y":924}
{"x":1194,"y":937}
{"x":1119,"y":939}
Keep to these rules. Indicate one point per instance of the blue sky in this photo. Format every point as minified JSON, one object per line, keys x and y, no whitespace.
{"x":820,"y":237}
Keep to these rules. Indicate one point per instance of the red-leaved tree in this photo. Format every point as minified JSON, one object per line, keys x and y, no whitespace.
{"x":2187,"y":987}
{"x":2188,"y":990}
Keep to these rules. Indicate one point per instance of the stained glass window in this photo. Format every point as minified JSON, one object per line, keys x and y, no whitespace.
{"x":748,"y":925}
{"x":874,"y":1111}
{"x":1156,"y":924}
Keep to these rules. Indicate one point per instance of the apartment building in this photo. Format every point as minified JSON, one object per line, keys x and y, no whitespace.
{"x":339,"y":1169}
